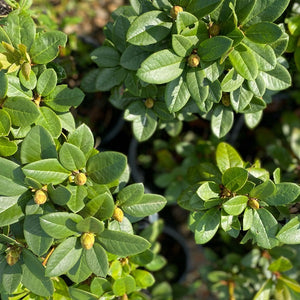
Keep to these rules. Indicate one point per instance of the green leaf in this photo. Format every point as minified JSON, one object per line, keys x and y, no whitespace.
{"x":106,"y":167}
{"x":60,"y":224}
{"x":267,"y":10}
{"x":97,"y":261}
{"x":11,"y":277}
{"x":281,"y":264}
{"x":227,"y":157}
{"x":78,"y":194}
{"x":257,"y":86}
{"x":209,"y":190}
{"x":90,"y":224}
{"x":231,"y":81}
{"x":256,"y":104}
{"x":121,"y":243}
{"x":253,"y":119}
{"x":277,"y":79}
{"x":46,"y":171}
{"x":291,"y":283}
{"x":263,"y":33}
{"x":182,"y":45}
{"x":265,"y":291}
{"x":290,"y":232}
{"x":244,"y":62}
{"x":145,"y":206}
{"x":79,"y":294}
{"x":47,"y":82}
{"x":106,"y":57}
{"x":60,"y":195}
{"x":214,"y":91}
{"x":240,"y":98}
{"x":207,"y":226}
{"x":286,"y":192}
{"x":213,"y":70}
{"x":30,"y":83}
{"x":71,"y":157}
{"x":124,"y":285}
{"x":149,"y":28}
{"x":11,"y":178}
{"x":143,"y":278}
{"x":236,"y":205}
{"x":264,"y":55}
{"x":222,"y":120}
{"x":195,"y":83}
{"x":37,"y":240}
{"x":234,"y":178}
{"x":37,"y":145}
{"x":15,"y":89}
{"x":161,"y":67}
{"x":130,"y":194}
{"x":67,"y":121}
{"x":34,"y":275}
{"x":46,"y":45}
{"x":7,"y":147}
{"x":64,"y":257}
{"x":202,"y":8}
{"x":184,"y":20}
{"x":22,"y":112}
{"x":263,"y":191}
{"x":132,"y":57}
{"x":3,"y":84}
{"x":108,"y":78}
{"x":264,"y":228}
{"x":295,"y":141}
{"x":62,"y":98}
{"x":243,"y":9}
{"x":176,"y":94}
{"x":213,"y":48}
{"x":80,"y":271}
{"x":20,"y":28}
{"x":50,"y":121}
{"x":247,"y":218}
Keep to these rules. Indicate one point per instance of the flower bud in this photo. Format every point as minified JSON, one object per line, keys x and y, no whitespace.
{"x":80,"y":179}
{"x":149,"y":103}
{"x":13,"y":256}
{"x":124,"y":297}
{"x":253,"y":203}
{"x":87,"y":240}
{"x":40,"y":197}
{"x":214,"y":29}
{"x":118,"y":214}
{"x":226,"y":99}
{"x":175,"y":10}
{"x":194,"y":60}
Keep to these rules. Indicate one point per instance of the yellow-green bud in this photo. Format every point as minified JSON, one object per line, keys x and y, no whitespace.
{"x":194,"y":60}
{"x":175,"y":10}
{"x":40,"y":197}
{"x":214,"y":29}
{"x":26,"y":69}
{"x":253,"y":203}
{"x":13,"y":256}
{"x":87,"y":240}
{"x":124,"y":297}
{"x":226,"y":99}
{"x":80,"y":179}
{"x":149,"y":103}
{"x":118,"y":214}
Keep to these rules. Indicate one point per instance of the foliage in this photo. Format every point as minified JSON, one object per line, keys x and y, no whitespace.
{"x":168,"y":60}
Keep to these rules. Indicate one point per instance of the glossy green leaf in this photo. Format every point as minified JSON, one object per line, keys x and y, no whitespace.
{"x":227,"y":157}
{"x":291,"y":283}
{"x":290,"y":232}
{"x":15,"y":89}
{"x":34,"y":275}
{"x":234,"y":178}
{"x":277,"y":79}
{"x":265,"y":291}
{"x":46,"y":171}
{"x":30,"y":83}
{"x":5,"y":123}
{"x":240,"y":98}
{"x":209,"y":190}
{"x":161,"y":67}
{"x":184,"y":20}
{"x":62,"y":98}
{"x":71,"y":157}
{"x":36,"y":238}
{"x":130,"y":194}
{"x":47,"y":82}
{"x":145,"y":206}
{"x":236,"y":205}
{"x":281,"y":264}
{"x":124,"y":285}
{"x":11,"y":277}
{"x":22,"y":112}
{"x":176,"y":94}
{"x":264,"y":228}
{"x":97,"y":261}
{"x":182,"y":45}
{"x":59,"y":195}
{"x":121,"y":243}
{"x":3,"y":84}
{"x":149,"y":28}
{"x":90,"y":224}
{"x":257,"y":86}
{"x":79,"y":294}
{"x":106,"y":167}
{"x":247,"y":218}
{"x":78,"y":194}
{"x":132,"y":57}
{"x":263,"y":191}
{"x":231,"y":81}
{"x":37,"y":145}
{"x":107,"y":78}
{"x":106,"y":57}
{"x":222,"y":120}
{"x":213,"y":48}
{"x":60,"y":224}
{"x":203,"y":8}
{"x":253,"y":119}
{"x":255,"y":105}
{"x":7,"y":147}
{"x":263,"y":33}
{"x":80,"y":271}
{"x":207,"y":226}
{"x":46,"y":45}
{"x":244,"y":62}
{"x":143,"y":278}
{"x":286,"y":192}
{"x":50,"y":121}
{"x":64,"y":257}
